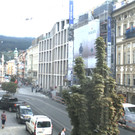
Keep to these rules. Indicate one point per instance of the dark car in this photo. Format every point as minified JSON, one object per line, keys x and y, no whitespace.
{"x":23,"y":114}
{"x":9,"y":102}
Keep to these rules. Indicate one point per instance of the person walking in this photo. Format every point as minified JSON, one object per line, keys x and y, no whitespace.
{"x":3,"y":119}
{"x":63,"y":131}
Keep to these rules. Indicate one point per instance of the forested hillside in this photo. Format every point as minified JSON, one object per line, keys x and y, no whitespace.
{"x":10,"y":43}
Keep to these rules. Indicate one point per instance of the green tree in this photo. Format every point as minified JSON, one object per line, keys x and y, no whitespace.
{"x":94,"y":105}
{"x":9,"y":87}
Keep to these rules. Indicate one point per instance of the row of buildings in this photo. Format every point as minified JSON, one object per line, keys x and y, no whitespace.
{"x":50,"y":59}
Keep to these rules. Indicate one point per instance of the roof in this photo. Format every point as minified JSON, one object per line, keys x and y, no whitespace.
{"x":128,"y":105}
{"x":41,"y":117}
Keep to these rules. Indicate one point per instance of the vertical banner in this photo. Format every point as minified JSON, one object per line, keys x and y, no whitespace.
{"x":70,"y":60}
{"x":109,"y":42}
{"x":71,"y":18}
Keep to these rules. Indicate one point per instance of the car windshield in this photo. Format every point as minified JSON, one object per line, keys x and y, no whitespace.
{"x":43,"y":124}
{"x":130,"y":109}
{"x":26,"y":111}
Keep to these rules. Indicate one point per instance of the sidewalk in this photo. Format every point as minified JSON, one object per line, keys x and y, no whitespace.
{"x":11,"y":125}
{"x":26,"y":90}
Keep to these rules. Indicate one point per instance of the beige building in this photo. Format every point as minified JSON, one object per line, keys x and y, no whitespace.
{"x":11,"y":68}
{"x":125,"y":50}
{"x":32,"y":62}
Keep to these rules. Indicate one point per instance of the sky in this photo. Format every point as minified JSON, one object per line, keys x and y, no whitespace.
{"x":31,"y":18}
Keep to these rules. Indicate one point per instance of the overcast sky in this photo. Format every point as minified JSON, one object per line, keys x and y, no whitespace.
{"x":31,"y":18}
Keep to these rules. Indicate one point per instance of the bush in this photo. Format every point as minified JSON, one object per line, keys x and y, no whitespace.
{"x":9,"y":87}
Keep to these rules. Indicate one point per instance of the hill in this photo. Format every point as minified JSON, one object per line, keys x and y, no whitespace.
{"x":10,"y":43}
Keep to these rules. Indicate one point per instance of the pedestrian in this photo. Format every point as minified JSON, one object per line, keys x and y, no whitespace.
{"x":63,"y":131}
{"x":32,"y":88}
{"x":3,"y":119}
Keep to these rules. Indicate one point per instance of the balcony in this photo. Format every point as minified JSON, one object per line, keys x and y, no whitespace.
{"x":130,"y":32}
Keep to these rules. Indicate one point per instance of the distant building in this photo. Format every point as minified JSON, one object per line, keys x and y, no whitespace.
{"x":21,"y":64}
{"x":11,"y":67}
{"x":2,"y":70}
{"x":32,"y":61}
{"x":107,"y":31}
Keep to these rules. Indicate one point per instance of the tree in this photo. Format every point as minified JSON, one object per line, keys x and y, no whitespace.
{"x":94,"y":105}
{"x":9,"y":87}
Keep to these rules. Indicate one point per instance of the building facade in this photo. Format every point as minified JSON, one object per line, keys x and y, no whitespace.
{"x":107,"y":31}
{"x":21,"y":64}
{"x":125,"y":49}
{"x":31,"y":65}
{"x":53,"y":56}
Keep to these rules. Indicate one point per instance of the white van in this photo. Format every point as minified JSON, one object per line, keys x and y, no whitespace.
{"x":39,"y":125}
{"x":128,"y":117}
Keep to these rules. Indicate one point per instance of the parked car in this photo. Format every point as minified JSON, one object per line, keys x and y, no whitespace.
{"x":39,"y":125}
{"x":128,"y":117}
{"x":23,"y":113}
{"x":9,"y":102}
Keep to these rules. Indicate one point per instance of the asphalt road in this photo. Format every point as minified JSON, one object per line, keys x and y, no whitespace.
{"x":52,"y":109}
{"x":41,"y":104}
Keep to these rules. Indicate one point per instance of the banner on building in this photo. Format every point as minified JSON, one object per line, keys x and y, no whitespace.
{"x":71,"y":17}
{"x":84,"y":42}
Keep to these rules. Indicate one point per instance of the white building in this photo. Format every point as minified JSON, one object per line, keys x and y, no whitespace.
{"x":32,"y":62}
{"x":53,"y":56}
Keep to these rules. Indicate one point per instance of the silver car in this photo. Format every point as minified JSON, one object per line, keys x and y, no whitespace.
{"x":128,"y":117}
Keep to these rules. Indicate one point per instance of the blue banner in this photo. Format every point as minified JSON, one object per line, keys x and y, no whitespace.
{"x":71,"y":18}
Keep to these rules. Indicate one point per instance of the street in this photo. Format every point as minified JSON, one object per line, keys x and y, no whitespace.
{"x":41,"y":104}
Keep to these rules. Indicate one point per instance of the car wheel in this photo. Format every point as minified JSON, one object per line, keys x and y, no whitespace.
{"x":10,"y":109}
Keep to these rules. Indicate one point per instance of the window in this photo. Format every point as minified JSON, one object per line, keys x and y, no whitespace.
{"x":128,"y":57}
{"x":128,"y":79}
{"x":134,"y":56}
{"x":131,"y":24}
{"x":119,"y":30}
{"x":111,"y":58}
{"x":43,"y":124}
{"x":118,"y":78}
{"x":124,"y":79}
{"x":125,"y":16}
{"x":62,"y":24}
{"x":133,"y":80}
{"x":119,"y":58}
{"x":119,"y":18}
{"x":124,"y":58}
{"x":124,"y":28}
